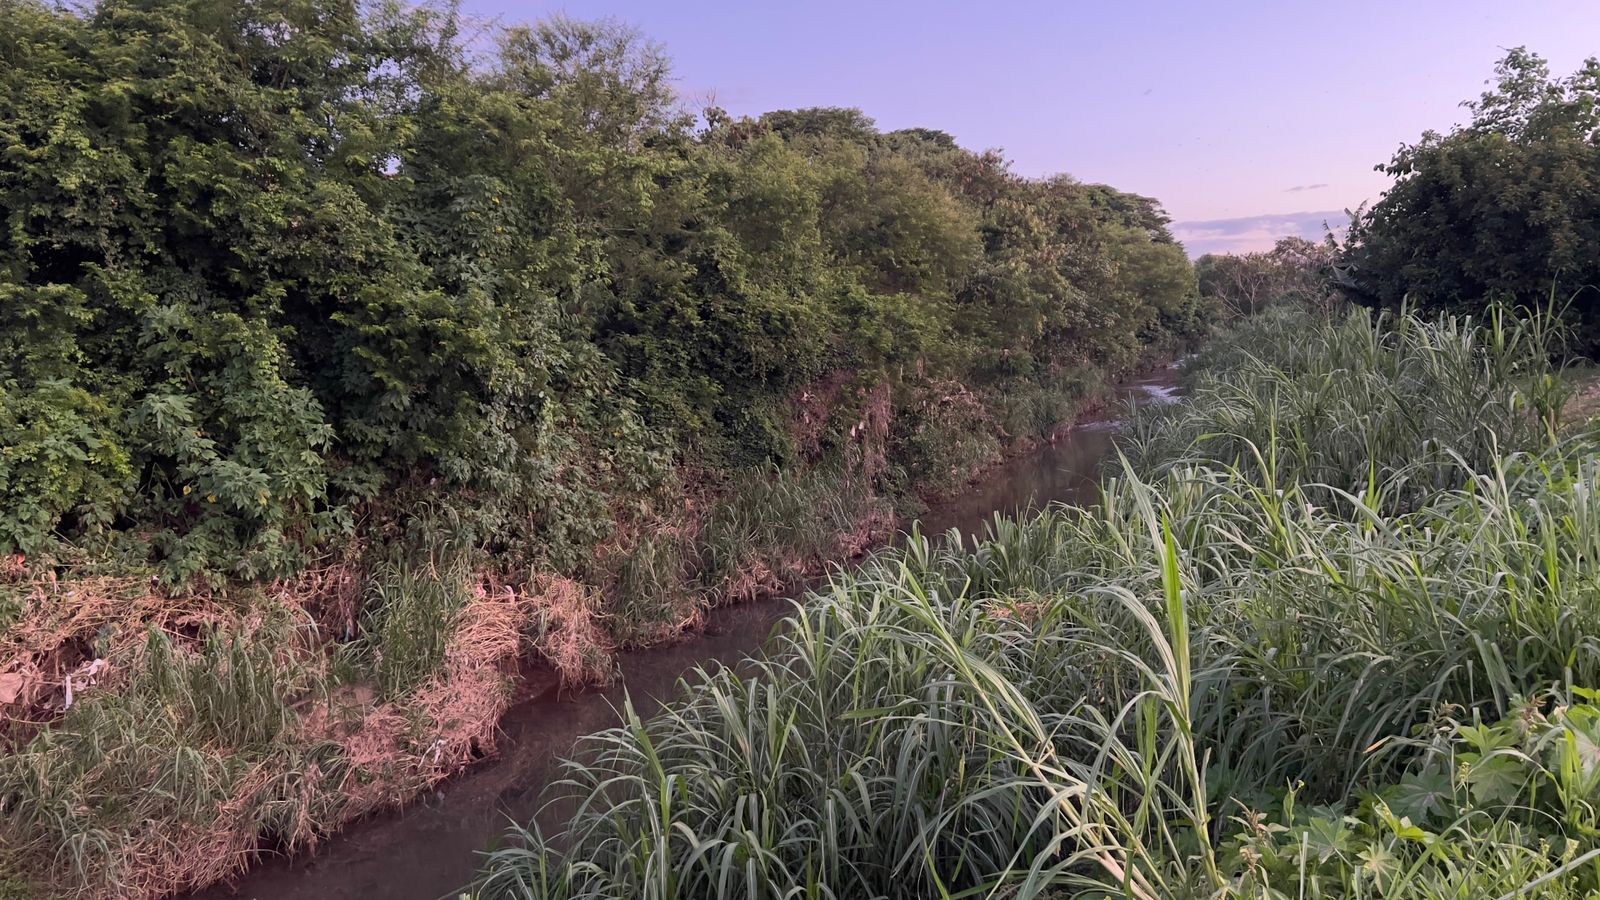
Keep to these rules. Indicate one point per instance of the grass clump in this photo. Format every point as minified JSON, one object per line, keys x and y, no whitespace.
{"x":1363,"y":402}
{"x":768,"y":528}
{"x":1035,"y":410}
{"x":202,"y":741}
{"x":1216,"y":684}
{"x":410,"y":605}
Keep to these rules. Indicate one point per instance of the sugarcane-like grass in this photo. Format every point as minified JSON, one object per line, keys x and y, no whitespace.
{"x":1223,"y":681}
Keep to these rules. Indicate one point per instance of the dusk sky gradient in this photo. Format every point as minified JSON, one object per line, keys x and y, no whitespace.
{"x":1223,"y":111}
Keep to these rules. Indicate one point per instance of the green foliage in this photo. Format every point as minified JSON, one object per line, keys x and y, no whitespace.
{"x":766,"y":528}
{"x":1294,"y":271}
{"x":1388,"y":408}
{"x":1037,"y":409}
{"x":1488,"y":811}
{"x":319,"y":293}
{"x":1212,"y":685}
{"x":264,"y":269}
{"x":164,"y":223}
{"x":1506,"y":208}
{"x":410,"y":602}
{"x":942,"y":436}
{"x":58,"y":455}
{"x":780,"y":521}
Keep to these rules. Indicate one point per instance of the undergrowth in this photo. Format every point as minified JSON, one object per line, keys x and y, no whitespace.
{"x":374,"y":675}
{"x":1363,"y":404}
{"x":1221,"y":682}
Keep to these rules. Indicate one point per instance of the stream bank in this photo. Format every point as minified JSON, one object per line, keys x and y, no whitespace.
{"x":430,"y":849}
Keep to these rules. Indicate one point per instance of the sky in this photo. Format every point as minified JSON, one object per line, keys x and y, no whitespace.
{"x":1245,"y":119}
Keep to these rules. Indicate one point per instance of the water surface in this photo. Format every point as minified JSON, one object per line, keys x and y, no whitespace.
{"x":431,"y":848}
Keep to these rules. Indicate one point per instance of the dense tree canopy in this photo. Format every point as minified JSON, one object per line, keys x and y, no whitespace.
{"x":1505,"y":208}
{"x":265,"y":263}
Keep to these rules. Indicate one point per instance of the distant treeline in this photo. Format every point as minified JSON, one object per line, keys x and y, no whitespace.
{"x":264,"y":264}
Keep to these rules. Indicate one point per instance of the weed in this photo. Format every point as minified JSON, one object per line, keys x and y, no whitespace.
{"x":1215,"y":683}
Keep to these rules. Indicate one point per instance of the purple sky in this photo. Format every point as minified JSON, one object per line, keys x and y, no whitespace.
{"x":1223,"y":111}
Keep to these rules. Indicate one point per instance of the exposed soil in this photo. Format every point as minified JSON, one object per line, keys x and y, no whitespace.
{"x":432,"y":847}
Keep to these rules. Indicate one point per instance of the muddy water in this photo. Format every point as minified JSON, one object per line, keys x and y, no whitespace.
{"x":431,"y":848}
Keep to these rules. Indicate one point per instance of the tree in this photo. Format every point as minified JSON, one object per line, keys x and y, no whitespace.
{"x":1505,"y":208}
{"x":270,"y":268}
{"x":1294,"y":270}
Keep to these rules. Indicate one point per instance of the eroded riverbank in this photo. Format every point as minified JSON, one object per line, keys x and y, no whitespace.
{"x":431,"y":848}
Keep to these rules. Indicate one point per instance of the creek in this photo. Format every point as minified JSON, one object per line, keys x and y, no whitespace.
{"x":432,"y":847}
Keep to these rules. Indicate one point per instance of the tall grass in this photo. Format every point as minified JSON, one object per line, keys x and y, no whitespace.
{"x":779,"y":518}
{"x":1035,"y":409}
{"x":1365,"y":402}
{"x":410,"y":603}
{"x":226,"y":730}
{"x":1217,"y":683}
{"x":767,"y":528}
{"x":200,"y":742}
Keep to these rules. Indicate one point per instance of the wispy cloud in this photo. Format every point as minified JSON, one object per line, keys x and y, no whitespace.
{"x":1252,"y":233}
{"x":1304,"y":187}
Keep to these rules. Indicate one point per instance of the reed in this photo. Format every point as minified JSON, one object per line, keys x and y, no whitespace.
{"x":1225,"y":681}
{"x":1364,"y":402}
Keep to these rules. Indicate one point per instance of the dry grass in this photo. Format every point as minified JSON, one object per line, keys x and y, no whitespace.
{"x":193,"y":854}
{"x":349,"y":748}
{"x":346,"y":752}
{"x":65,"y":626}
{"x":370,"y":723}
{"x":565,"y":618}
{"x":397,"y":748}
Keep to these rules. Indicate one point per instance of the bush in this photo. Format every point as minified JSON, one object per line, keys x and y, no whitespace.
{"x":1505,"y":209}
{"x":267,"y":270}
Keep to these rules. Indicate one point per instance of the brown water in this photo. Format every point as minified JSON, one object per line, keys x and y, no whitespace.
{"x":431,"y":848}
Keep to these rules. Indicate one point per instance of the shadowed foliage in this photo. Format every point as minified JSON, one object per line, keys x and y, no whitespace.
{"x":358,"y":355}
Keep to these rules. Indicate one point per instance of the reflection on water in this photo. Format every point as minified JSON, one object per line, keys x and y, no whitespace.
{"x":429,"y":849}
{"x":1067,"y":471}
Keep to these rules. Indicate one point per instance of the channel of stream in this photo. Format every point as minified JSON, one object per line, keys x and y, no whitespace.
{"x":431,"y":848}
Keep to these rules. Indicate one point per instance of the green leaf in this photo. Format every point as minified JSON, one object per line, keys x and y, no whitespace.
{"x":1496,"y":779}
{"x":1326,"y":838}
{"x":1423,"y":797}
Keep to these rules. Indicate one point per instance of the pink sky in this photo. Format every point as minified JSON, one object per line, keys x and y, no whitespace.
{"x":1223,"y":111}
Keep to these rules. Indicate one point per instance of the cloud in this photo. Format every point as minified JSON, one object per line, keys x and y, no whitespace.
{"x":1304,"y":187}
{"x":1253,"y":233}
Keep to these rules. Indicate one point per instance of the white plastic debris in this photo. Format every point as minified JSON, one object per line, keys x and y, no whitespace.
{"x":84,"y":676}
